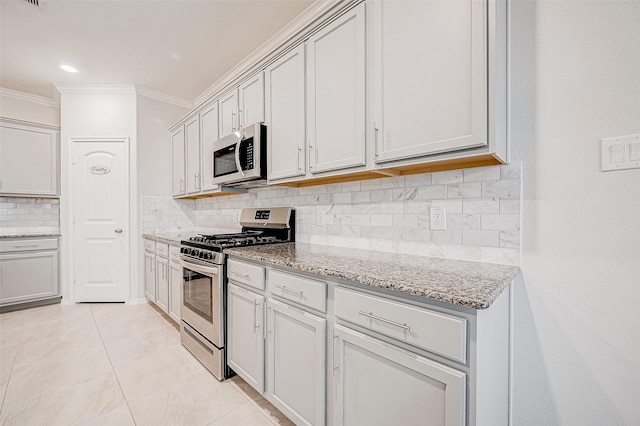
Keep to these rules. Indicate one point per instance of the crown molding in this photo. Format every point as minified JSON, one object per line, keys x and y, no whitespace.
{"x":76,"y":89}
{"x":27,"y":97}
{"x":163,"y":97}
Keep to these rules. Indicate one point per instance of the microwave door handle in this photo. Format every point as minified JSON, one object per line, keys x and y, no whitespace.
{"x":238,"y":165}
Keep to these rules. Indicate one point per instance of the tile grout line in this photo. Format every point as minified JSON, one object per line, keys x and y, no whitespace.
{"x":112,"y":368}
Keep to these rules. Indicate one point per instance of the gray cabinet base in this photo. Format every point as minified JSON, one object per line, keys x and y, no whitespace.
{"x":32,"y":304}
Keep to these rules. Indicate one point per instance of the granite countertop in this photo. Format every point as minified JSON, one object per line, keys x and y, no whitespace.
{"x":28,"y":236}
{"x":471,"y":284}
{"x":172,"y":238}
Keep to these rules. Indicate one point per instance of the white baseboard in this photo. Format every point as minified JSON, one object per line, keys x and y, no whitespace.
{"x":67,"y":302}
{"x":137,"y":301}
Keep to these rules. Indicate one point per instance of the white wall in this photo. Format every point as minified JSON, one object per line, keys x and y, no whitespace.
{"x":575,"y":78}
{"x":31,"y":108}
{"x":153,"y":167}
{"x":91,"y":114}
{"x":154,"y":145}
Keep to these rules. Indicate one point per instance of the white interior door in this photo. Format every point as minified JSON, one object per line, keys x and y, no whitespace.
{"x":101,"y":215}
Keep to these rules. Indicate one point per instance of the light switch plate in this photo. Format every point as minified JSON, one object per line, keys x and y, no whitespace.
{"x":620,"y":153}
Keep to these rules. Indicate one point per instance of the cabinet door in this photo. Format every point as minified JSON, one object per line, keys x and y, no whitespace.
{"x":296,"y":365}
{"x":285,"y":116}
{"x":28,"y":160}
{"x":336,"y":94}
{"x":150,"y":276}
{"x":175,"y":290}
{"x":245,"y":339}
{"x":378,"y":384}
{"x":251,"y":92}
{"x":28,"y":276}
{"x":192,"y":135}
{"x":177,"y":162}
{"x":430,"y":78}
{"x":228,"y":112}
{"x":162,"y":283}
{"x":208,"y":135}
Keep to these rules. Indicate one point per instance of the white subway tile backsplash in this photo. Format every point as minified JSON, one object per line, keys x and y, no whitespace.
{"x":501,"y":222}
{"x":464,"y":190}
{"x":511,"y":171}
{"x":463,"y":221}
{"x":450,"y":236}
{"x":482,"y":206}
{"x":432,"y":192}
{"x":479,"y":174}
{"x":476,"y":237}
{"x":20,"y":215}
{"x":506,"y":188}
{"x":449,"y":176}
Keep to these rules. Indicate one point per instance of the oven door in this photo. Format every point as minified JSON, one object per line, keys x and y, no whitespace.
{"x":202,"y":300}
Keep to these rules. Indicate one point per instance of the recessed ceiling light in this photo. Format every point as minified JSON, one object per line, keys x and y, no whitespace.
{"x":68,"y":68}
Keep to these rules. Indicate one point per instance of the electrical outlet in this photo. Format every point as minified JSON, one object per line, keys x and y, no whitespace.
{"x":438,"y":216}
{"x":320,"y":217}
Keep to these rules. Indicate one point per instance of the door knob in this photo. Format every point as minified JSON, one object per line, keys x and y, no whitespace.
{"x":118,"y":230}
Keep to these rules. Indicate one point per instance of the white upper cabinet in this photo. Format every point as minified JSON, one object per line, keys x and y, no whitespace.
{"x":336,"y":94}
{"x":251,"y":100}
{"x":242,"y":106}
{"x":208,"y":135}
{"x":285,"y":116}
{"x":228,"y":112}
{"x":177,"y":161}
{"x":192,"y":133}
{"x":429,"y":77}
{"x":28,"y":159}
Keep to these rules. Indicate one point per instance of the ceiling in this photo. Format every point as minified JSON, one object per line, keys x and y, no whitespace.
{"x":177,"y":47}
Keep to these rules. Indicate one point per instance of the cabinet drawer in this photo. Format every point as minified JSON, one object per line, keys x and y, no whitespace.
{"x":9,"y":246}
{"x":149,"y":245}
{"x":174,"y":253}
{"x":304,"y":291}
{"x":245,"y":273}
{"x":436,"y":332}
{"x":162,"y":249}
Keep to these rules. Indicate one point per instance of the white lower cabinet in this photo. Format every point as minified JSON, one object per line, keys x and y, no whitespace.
{"x":163,"y":276}
{"x":175,"y":290}
{"x":28,"y":272}
{"x":378,"y":384}
{"x":162,"y":283}
{"x":296,"y":365}
{"x":150,"y":275}
{"x":245,"y":335}
{"x":327,"y":353}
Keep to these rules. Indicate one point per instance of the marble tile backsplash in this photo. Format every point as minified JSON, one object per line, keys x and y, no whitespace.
{"x":392,"y":214}
{"x":164,"y":214}
{"x":388,"y":214}
{"x":29,"y":216}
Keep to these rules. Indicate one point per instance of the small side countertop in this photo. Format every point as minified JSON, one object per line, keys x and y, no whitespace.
{"x":172,"y":238}
{"x":8,"y":237}
{"x":470,"y":284}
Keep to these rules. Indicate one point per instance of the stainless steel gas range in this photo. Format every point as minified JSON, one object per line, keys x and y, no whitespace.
{"x":203,"y":324}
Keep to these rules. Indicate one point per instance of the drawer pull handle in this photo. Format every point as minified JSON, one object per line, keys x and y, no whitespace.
{"x":289,"y":290}
{"x":375,"y":317}
{"x":241,"y":275}
{"x":26,"y":246}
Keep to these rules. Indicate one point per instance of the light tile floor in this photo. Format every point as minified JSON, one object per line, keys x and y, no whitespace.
{"x":113,"y":364}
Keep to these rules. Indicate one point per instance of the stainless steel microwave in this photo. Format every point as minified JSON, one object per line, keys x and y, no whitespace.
{"x":240,"y":159}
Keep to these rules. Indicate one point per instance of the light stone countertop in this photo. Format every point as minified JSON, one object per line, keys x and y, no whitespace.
{"x":470,"y":284}
{"x":172,"y":238}
{"x":42,"y":235}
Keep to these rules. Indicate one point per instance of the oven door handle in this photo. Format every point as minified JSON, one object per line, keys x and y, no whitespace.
{"x":209,"y":270}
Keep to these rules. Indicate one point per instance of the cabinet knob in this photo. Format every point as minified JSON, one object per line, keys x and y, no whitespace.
{"x":118,"y":230}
